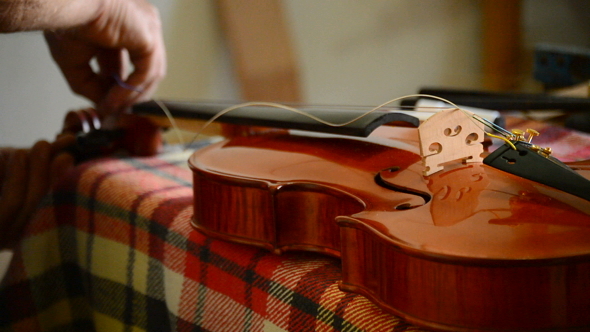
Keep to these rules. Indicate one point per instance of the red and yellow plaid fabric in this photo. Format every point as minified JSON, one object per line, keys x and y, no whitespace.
{"x":112,"y":249}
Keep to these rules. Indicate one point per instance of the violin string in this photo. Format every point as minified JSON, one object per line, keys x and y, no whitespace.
{"x":163,"y":106}
{"x":298,"y":111}
{"x":472,"y":116}
{"x":506,"y":135}
{"x":492,"y":125}
{"x":171,"y":119}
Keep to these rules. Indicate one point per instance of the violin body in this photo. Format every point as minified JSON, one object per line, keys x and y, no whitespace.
{"x":470,"y":248}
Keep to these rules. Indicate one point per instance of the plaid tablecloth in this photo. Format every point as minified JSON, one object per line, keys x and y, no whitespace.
{"x":112,"y":249}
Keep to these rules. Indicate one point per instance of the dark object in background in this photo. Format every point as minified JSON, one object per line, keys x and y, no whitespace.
{"x":508,"y":101}
{"x":555,"y":67}
{"x":579,"y":121}
{"x":562,"y":66}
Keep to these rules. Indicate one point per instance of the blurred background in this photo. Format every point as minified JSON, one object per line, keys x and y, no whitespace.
{"x":348,"y":52}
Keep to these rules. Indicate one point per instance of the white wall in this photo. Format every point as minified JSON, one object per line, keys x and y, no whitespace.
{"x":367,"y":52}
{"x":33,"y":94}
{"x":351,"y":52}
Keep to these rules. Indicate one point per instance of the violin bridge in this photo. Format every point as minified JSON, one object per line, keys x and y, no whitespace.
{"x":449,"y":135}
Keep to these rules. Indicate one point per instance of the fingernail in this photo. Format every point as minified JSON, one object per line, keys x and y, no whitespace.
{"x":126,"y":85}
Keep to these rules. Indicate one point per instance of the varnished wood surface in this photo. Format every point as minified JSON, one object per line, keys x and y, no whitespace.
{"x":467,"y":249}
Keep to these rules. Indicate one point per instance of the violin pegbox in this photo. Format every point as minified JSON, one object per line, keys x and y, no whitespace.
{"x":449,"y":135}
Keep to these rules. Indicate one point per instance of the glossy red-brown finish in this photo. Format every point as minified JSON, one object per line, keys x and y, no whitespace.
{"x":304,"y":196}
{"x":141,"y":137}
{"x":467,"y":249}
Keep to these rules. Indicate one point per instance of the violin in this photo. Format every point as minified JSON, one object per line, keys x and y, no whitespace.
{"x":471,"y":247}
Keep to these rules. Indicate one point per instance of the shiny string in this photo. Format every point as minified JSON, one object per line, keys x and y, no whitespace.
{"x":505,"y":135}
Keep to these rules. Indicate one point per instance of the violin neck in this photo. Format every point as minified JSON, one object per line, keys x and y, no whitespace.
{"x":275,"y":117}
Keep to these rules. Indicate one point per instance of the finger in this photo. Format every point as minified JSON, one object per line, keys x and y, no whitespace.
{"x":120,"y":98}
{"x":60,"y":165}
{"x":14,"y":190}
{"x":38,"y":184}
{"x":62,"y":142}
{"x":112,"y":62}
{"x":85,"y":82}
{"x":150,"y":69}
{"x":5,"y":154}
{"x":140,"y":86}
{"x":73,"y":58}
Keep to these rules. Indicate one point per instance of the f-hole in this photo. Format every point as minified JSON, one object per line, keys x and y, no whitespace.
{"x":387,"y":185}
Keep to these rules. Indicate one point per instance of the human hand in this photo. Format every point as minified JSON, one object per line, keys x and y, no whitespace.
{"x":123,"y":28}
{"x":25,"y":177}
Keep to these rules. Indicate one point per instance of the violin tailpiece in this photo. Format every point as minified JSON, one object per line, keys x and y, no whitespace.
{"x":536,"y":164}
{"x":447,"y":136}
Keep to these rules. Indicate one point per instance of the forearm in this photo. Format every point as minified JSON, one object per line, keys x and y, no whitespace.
{"x":25,"y":15}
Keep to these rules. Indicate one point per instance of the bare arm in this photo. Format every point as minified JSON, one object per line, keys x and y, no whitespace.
{"x":26,"y":15}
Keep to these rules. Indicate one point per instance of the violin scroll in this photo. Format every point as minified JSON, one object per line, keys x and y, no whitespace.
{"x":133,"y":134}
